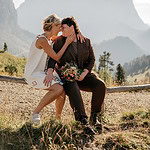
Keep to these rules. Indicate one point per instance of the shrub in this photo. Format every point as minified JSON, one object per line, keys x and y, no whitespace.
{"x":11,"y":69}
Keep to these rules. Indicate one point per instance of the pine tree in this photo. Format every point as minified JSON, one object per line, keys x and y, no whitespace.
{"x":120,"y":75}
{"x":5,"y":47}
{"x":105,"y":67}
{"x":105,"y":62}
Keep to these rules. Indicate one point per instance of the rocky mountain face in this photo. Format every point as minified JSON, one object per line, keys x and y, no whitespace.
{"x":17,"y":39}
{"x":8,"y":15}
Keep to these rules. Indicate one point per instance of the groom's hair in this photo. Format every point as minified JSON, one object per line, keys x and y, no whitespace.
{"x":71,"y":21}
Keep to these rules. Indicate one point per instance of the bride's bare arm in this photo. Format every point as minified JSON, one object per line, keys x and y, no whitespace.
{"x":42,"y":42}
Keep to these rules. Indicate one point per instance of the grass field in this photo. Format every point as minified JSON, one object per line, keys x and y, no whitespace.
{"x":126,"y":120}
{"x":129,"y":131}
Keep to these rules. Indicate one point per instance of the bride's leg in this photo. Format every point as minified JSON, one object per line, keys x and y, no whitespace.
{"x":53,"y":92}
{"x":60,"y":101}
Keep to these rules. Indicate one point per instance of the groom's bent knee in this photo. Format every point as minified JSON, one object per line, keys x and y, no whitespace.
{"x":100,"y":86}
{"x":71,"y":87}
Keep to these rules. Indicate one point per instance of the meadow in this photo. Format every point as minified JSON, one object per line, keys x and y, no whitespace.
{"x":126,"y":119}
{"x":126,"y":122}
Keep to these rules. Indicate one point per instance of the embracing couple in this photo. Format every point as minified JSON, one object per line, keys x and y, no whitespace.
{"x":43,"y":71}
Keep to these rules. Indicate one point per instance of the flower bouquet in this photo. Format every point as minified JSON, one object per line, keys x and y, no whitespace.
{"x":70,"y":72}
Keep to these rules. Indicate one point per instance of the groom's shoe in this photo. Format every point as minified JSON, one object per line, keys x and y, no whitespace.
{"x":95,"y":122}
{"x":86,"y":127}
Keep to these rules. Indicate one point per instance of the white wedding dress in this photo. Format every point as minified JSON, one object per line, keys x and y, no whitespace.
{"x":35,"y":67}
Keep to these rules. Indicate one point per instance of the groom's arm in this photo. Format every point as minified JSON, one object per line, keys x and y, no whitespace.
{"x":91,"y":58}
{"x":50,"y":65}
{"x":58,"y":44}
{"x":51,"y":61}
{"x":89,"y":62}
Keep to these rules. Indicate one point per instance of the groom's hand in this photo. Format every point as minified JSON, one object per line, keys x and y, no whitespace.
{"x":49,"y":77}
{"x":83,"y":74}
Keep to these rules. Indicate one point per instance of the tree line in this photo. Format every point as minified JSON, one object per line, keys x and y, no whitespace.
{"x":105,"y":69}
{"x":138,"y":65}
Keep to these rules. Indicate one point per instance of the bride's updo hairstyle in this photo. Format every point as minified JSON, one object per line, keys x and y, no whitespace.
{"x":49,"y":21}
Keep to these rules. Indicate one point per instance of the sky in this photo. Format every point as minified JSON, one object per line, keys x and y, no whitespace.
{"x":142,"y":7}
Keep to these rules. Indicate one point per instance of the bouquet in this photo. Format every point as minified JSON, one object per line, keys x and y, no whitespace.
{"x":70,"y":72}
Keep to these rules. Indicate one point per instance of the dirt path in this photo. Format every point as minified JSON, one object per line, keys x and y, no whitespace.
{"x":20,"y":100}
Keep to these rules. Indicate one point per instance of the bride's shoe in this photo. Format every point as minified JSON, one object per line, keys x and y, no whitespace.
{"x":36,"y":119}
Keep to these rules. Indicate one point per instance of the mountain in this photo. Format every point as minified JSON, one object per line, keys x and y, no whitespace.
{"x":138,"y":65}
{"x":17,"y":39}
{"x":122,"y":49}
{"x":143,"y":40}
{"x":104,"y":19}
{"x":98,"y":20}
{"x":8,"y":15}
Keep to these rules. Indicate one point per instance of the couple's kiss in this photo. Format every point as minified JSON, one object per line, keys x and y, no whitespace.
{"x":66,"y":48}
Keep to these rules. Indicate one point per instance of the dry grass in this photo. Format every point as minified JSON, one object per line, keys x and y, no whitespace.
{"x":126,"y":122}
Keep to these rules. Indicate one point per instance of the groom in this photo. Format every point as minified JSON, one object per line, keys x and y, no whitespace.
{"x":82,"y":54}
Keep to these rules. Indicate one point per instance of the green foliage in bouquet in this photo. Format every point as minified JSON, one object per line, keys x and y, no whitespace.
{"x":70,"y":72}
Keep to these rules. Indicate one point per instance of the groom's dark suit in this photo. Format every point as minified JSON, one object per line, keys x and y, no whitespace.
{"x":83,"y":55}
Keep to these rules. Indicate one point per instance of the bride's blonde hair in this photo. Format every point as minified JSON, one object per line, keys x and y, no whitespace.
{"x":49,"y":21}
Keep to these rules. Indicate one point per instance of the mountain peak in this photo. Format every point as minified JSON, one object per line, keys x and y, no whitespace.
{"x":18,"y":40}
{"x":103,"y":20}
{"x":8,"y":14}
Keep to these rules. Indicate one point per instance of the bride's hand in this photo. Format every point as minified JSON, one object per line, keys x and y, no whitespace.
{"x":70,"y":38}
{"x":48,"y":79}
{"x":81,"y":37}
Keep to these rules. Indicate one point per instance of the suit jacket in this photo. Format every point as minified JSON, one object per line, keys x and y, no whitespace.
{"x":85,"y":58}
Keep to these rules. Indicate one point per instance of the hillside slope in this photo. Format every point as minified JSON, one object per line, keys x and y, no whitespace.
{"x":15,"y":65}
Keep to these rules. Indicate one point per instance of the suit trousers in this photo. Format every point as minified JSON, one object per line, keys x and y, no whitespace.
{"x":90,"y":84}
